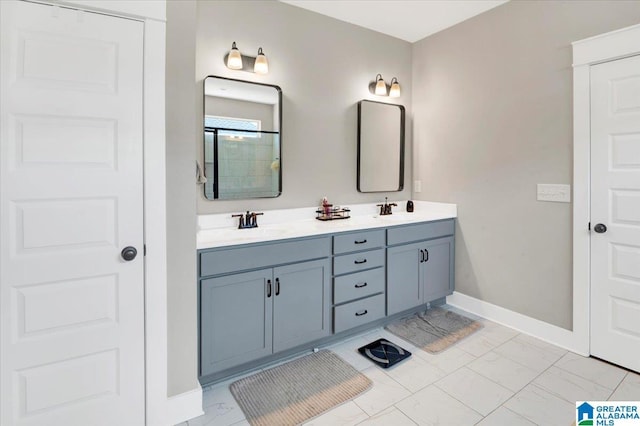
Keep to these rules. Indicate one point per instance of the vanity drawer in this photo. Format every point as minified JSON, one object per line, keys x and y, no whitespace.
{"x":421,"y":231}
{"x":365,"y":240}
{"x":254,"y":256}
{"x":358,"y":285}
{"x":357,"y":313}
{"x":358,"y":261}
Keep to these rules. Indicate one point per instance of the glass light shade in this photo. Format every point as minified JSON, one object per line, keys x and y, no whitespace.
{"x":261,"y":65}
{"x":381,"y":87}
{"x":394,"y":92}
{"x":234,"y":61}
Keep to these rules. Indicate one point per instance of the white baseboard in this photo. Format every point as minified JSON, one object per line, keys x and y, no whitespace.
{"x":555,"y":335}
{"x":185,"y":406}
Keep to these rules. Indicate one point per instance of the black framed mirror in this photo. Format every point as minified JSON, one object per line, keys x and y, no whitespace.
{"x":242,"y":139}
{"x":380,"y":147}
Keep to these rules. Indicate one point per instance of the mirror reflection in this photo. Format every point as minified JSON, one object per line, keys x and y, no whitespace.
{"x":380,"y":147}
{"x":242,"y":147}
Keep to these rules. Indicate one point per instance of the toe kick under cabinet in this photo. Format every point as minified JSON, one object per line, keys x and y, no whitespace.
{"x":261,"y":300}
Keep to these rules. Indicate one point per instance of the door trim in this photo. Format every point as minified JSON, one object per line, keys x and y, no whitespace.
{"x":161,"y":409}
{"x":586,"y":53}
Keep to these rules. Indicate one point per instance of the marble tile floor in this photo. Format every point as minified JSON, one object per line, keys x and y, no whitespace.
{"x":497,"y":376}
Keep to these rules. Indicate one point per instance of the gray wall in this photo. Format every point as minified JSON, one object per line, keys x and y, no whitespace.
{"x":324,"y":67}
{"x":181,"y":197}
{"x":493,"y":117}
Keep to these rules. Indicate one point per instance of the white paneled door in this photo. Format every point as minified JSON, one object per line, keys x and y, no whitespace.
{"x":615,"y":212}
{"x":72,"y":308}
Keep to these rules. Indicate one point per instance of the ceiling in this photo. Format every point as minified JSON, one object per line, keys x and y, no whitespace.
{"x":409,"y":20}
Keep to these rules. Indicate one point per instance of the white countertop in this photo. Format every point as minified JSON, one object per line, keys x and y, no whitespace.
{"x":220,"y":230}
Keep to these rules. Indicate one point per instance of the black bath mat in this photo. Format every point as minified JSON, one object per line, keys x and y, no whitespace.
{"x":384,"y":353}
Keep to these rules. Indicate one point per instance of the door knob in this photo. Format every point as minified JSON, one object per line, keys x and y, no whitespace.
{"x":129,"y":253}
{"x":600,"y":228}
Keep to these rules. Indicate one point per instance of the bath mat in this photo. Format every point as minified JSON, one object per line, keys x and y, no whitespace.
{"x":294,"y":392}
{"x":384,"y":353}
{"x":434,"y":330}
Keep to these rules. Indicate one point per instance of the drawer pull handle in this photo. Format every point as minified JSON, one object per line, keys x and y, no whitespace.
{"x":360,"y":242}
{"x":277,"y":286}
{"x":421,"y":255}
{"x":359,"y":314}
{"x":361,"y":285}
{"x":268,"y":288}
{"x":426,"y":252}
{"x":360,"y":262}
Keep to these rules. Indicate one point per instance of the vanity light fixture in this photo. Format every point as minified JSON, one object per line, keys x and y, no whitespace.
{"x":261,"y":66}
{"x":394,"y":92}
{"x":234,"y":58}
{"x":381,"y":88}
{"x":237,"y":61}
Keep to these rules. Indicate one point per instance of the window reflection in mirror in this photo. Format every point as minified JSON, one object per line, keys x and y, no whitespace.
{"x":242,"y":146}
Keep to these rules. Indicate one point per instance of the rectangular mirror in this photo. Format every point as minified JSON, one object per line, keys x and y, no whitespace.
{"x":242,"y":139}
{"x":380,"y":147}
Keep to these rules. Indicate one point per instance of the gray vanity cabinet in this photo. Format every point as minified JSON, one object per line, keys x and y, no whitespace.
{"x":259,"y":300}
{"x":249,"y":315}
{"x":358,"y":283}
{"x":405,"y":278}
{"x":438,"y":269}
{"x":419,"y":272}
{"x":235,"y":320}
{"x":301,"y":303}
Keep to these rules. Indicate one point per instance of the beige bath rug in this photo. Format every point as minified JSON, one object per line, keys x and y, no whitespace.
{"x":434,"y":330}
{"x":294,"y":392}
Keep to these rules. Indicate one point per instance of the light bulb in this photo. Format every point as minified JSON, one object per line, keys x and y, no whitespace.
{"x":381,"y":86}
{"x":234,"y":61}
{"x":261,"y":65}
{"x":394,"y":92}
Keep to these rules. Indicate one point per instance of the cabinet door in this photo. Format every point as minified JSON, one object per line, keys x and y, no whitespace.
{"x":235,"y":320}
{"x":404,"y":278}
{"x":438,"y":268}
{"x":301,"y":303}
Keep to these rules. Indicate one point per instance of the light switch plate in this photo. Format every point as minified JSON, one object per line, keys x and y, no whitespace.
{"x":554,"y":192}
{"x":417,"y":186}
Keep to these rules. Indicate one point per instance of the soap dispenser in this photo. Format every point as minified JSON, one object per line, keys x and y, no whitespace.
{"x":410,"y":206}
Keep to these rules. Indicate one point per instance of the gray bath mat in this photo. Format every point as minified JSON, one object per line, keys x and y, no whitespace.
{"x":434,"y":330}
{"x":296,"y":391}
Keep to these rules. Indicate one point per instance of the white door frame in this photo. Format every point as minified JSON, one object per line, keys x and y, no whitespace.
{"x":160,"y":409}
{"x":586,"y":53}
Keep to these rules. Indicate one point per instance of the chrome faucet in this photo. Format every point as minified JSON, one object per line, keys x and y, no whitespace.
{"x":248,"y":220}
{"x":385,"y":209}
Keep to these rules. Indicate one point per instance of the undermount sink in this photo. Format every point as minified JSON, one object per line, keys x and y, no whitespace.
{"x":240,"y":234}
{"x":395,"y":216}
